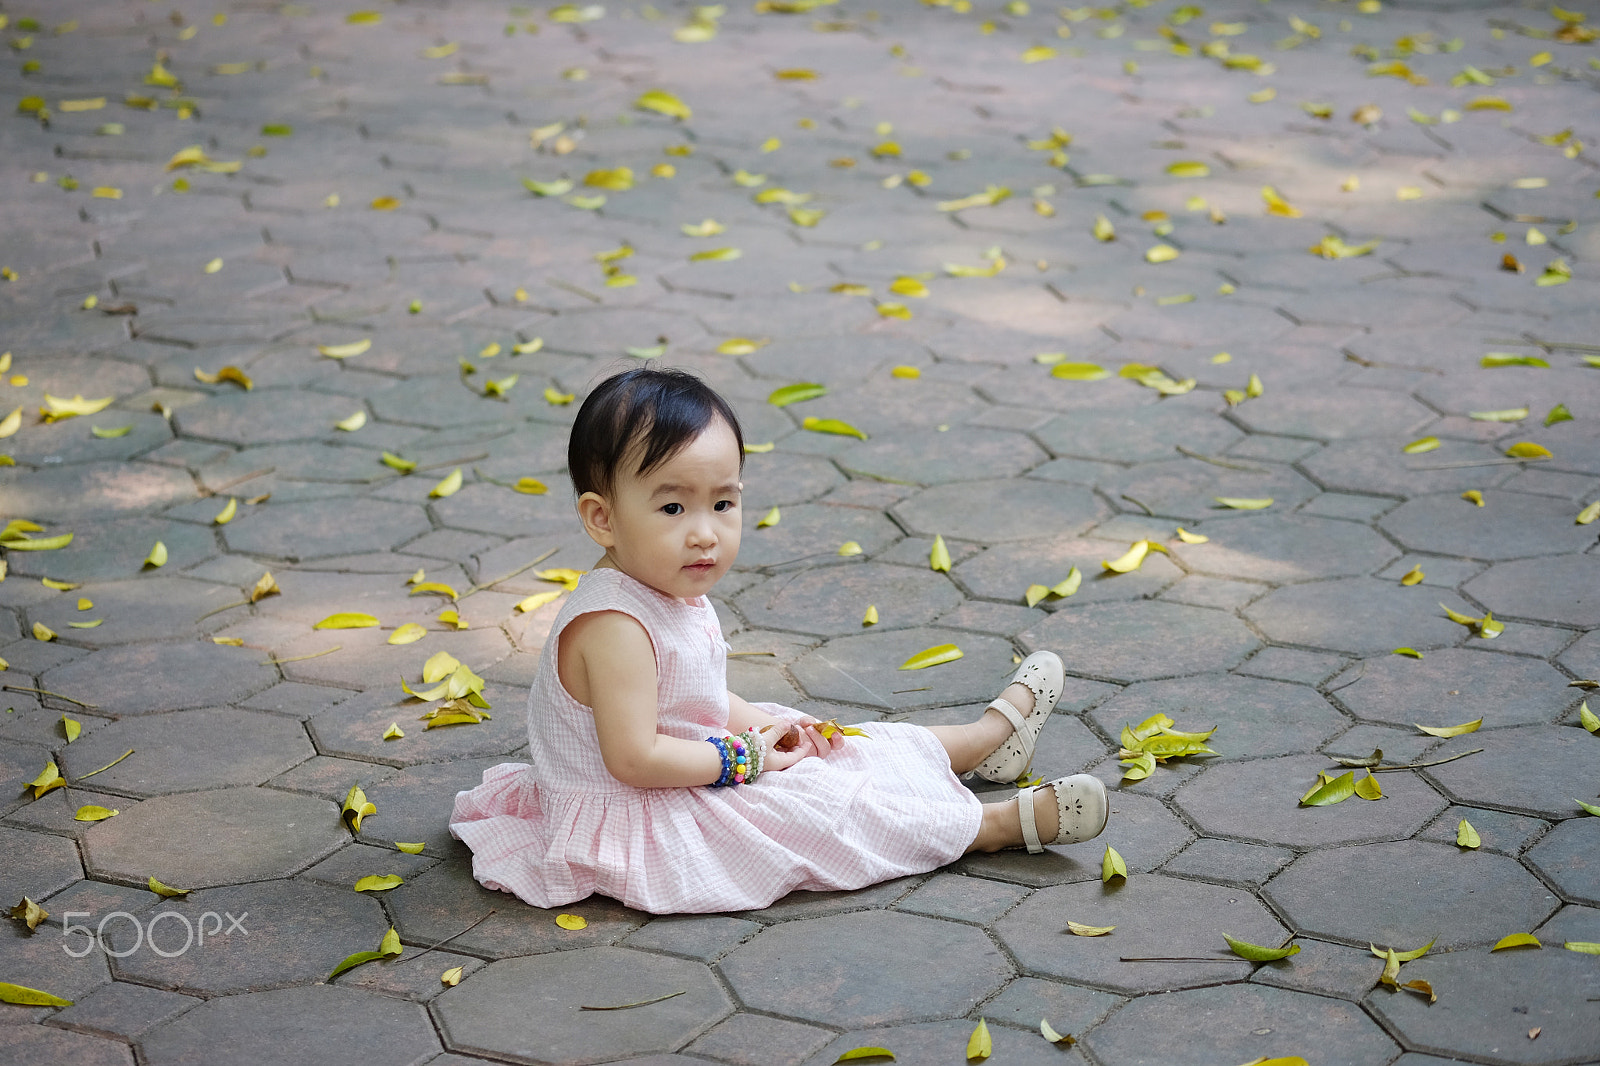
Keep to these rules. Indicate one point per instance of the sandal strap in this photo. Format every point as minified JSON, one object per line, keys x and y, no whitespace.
{"x":1030,"y":828}
{"x":1019,"y":725}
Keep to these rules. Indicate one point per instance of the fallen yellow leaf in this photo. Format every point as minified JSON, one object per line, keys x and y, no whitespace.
{"x":571,"y":921}
{"x":1452,"y":730}
{"x":1517,"y":940}
{"x":347,"y":620}
{"x":934,"y":656}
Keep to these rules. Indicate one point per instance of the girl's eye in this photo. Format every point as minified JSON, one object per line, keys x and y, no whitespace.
{"x":724,"y":505}
{"x":673,"y":508}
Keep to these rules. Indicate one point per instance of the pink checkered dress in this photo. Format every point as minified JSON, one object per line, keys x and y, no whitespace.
{"x":562,"y":828}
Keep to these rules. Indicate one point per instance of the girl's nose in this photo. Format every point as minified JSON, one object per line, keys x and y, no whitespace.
{"x":702,"y":534}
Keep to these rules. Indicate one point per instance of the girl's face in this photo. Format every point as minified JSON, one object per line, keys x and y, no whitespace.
{"x":677,"y":528}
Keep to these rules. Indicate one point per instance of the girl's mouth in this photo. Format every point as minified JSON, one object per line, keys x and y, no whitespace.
{"x":702,"y":567}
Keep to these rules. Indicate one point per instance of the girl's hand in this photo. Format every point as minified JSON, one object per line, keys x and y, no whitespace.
{"x":811,"y":742}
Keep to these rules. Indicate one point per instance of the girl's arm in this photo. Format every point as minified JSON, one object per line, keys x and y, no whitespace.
{"x":606,"y":661}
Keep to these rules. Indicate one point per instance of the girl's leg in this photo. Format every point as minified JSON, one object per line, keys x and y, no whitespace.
{"x":1002,"y":823}
{"x":968,"y":745}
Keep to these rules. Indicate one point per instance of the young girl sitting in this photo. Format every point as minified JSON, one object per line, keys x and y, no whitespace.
{"x":652,"y":783}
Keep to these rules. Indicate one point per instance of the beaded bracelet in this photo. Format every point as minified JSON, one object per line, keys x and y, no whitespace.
{"x":722,"y":747}
{"x":758,"y":755}
{"x":743,"y":756}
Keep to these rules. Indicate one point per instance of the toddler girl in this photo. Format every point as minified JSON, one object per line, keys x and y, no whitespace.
{"x":652,"y":783}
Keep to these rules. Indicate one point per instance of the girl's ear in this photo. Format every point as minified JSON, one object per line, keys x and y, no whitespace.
{"x":596,"y":515}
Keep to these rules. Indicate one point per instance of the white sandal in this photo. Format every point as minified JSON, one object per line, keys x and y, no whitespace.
{"x":1080,"y":803}
{"x":1043,"y":675}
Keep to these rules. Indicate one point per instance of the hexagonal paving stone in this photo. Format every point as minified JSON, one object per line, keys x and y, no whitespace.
{"x":963,"y":453}
{"x":996,"y":510}
{"x":830,"y":601}
{"x":1457,"y":685}
{"x":1404,"y":893}
{"x":190,"y":750}
{"x":37,"y":960}
{"x":1332,"y":413}
{"x":1550,"y":590}
{"x":1286,"y":548}
{"x":446,"y":899}
{"x":1187,"y":490}
{"x":150,"y":608}
{"x":491,"y":509}
{"x":201,"y":839}
{"x":526,"y":1010}
{"x":1140,"y":641}
{"x":1252,"y":717}
{"x":414,"y":804}
{"x":1243,"y":1022}
{"x":1570,"y":856}
{"x":108,"y":550}
{"x":1154,"y":915}
{"x":325,"y":1024}
{"x":865,"y":669}
{"x":835,"y":969}
{"x":171,"y":676}
{"x":1359,"y":615}
{"x":93,"y":490}
{"x":1140,"y":435}
{"x":1004,"y":571}
{"x":816,"y":529}
{"x":1376,"y":464}
{"x":832,"y":362}
{"x":36,"y":865}
{"x":1141,"y":828}
{"x":1508,"y":526}
{"x":325,"y":527}
{"x":1260,"y":801}
{"x":1498,"y":999}
{"x":785,"y":478}
{"x":1535,"y":770}
{"x":356,"y":727}
{"x":287,"y":932}
{"x":264,"y":416}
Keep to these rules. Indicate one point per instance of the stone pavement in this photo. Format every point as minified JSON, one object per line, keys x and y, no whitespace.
{"x":430,"y":226}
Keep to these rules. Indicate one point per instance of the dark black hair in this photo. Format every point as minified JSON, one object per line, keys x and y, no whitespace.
{"x":648,"y":412}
